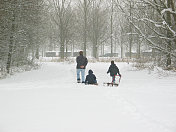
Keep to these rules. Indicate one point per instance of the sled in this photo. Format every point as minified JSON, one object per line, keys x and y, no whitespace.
{"x":111,"y":84}
{"x":91,"y":84}
{"x":117,"y":81}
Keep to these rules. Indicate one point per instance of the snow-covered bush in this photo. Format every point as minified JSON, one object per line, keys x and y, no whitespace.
{"x":140,"y":66}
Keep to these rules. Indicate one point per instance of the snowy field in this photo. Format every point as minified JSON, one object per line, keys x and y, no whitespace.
{"x":50,"y":100}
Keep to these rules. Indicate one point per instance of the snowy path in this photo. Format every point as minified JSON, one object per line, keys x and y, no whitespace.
{"x":50,"y":100}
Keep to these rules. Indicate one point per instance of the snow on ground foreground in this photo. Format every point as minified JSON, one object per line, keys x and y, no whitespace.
{"x":50,"y":100}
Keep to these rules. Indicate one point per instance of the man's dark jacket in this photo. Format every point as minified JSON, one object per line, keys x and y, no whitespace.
{"x":91,"y":78}
{"x":81,"y":61}
{"x":113,"y":69}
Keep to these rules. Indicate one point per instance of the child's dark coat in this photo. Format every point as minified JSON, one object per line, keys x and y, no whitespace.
{"x":90,"y":78}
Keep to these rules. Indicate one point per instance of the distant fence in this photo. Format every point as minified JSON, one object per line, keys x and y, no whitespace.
{"x":145,"y":54}
{"x":57,"y":54}
{"x":109,"y":55}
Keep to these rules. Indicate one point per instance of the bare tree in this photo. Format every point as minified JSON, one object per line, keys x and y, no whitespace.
{"x":159,"y":30}
{"x":84,"y":14}
{"x":98,"y":25}
{"x":17,"y":31}
{"x":62,"y":18}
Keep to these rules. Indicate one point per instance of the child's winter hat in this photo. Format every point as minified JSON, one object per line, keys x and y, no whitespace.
{"x":90,"y":71}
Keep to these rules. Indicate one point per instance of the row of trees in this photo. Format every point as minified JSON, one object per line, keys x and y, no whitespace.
{"x":152,"y":21}
{"x":20,"y":32}
{"x":130,"y":24}
{"x":28,"y":27}
{"x":83,"y":25}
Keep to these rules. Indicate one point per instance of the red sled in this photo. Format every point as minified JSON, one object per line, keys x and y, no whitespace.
{"x":116,"y":83}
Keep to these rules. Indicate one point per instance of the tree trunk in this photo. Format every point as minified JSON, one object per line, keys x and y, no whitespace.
{"x":138,"y":48}
{"x":168,"y":62}
{"x":85,"y":27}
{"x":37,"y":52}
{"x":130,"y":36}
{"x":95,"y":53}
{"x":9,"y":59}
{"x":62,"y":50}
{"x":112,"y":29}
{"x":62,"y":40}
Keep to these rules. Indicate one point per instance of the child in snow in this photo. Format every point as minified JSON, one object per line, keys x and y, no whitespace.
{"x":91,"y":78}
{"x":113,"y":70}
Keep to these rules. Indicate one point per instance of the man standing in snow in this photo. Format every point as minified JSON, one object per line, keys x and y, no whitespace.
{"x":113,"y":69}
{"x":81,"y":66}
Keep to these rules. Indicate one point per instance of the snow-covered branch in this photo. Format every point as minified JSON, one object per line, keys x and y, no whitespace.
{"x":154,"y":45}
{"x":168,"y":10}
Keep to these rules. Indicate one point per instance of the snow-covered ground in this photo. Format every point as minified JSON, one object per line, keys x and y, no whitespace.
{"x":50,"y":100}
